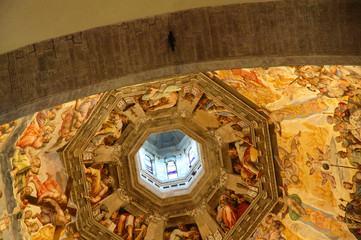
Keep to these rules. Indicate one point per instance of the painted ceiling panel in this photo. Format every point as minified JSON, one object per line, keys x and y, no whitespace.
{"x":314,"y":112}
{"x":311,"y":107}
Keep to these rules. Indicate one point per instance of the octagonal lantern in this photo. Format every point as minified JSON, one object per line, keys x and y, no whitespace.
{"x":169,"y":161}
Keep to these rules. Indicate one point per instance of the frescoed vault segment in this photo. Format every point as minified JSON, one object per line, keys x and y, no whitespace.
{"x":311,"y":112}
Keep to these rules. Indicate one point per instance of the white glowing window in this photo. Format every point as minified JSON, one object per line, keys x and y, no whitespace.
{"x":191,"y":156}
{"x":172,"y":170}
{"x":148,"y":164}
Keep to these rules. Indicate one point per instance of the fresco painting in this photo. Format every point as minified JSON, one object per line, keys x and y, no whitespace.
{"x":189,"y":97}
{"x":244,"y":160}
{"x":211,"y":114}
{"x":272,"y":227}
{"x":157,"y":99}
{"x":121,"y":222}
{"x":40,"y":185}
{"x":100,"y":177}
{"x":111,"y":129}
{"x":236,"y":130}
{"x":182,"y":231}
{"x":231,"y":205}
{"x":6,"y":129}
{"x":100,"y":181}
{"x":130,"y":107}
{"x":105,"y":137}
{"x":72,"y":118}
{"x":315,"y":112}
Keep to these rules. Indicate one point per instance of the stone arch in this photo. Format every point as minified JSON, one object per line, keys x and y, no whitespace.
{"x":264,"y":34}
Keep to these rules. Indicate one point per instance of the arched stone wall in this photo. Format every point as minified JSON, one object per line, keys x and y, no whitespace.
{"x":58,"y":70}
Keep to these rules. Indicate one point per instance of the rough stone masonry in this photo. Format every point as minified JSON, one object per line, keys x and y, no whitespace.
{"x":54,"y":71}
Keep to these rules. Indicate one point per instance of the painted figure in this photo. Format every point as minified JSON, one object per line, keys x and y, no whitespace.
{"x":288,"y":162}
{"x":98,"y":188}
{"x":317,"y":165}
{"x":21,"y":169}
{"x":292,"y":205}
{"x":111,"y":129}
{"x":131,"y":227}
{"x":49,"y":189}
{"x":244,"y":160}
{"x":157,"y":99}
{"x":181,"y":233}
{"x":230,"y":209}
{"x":35,"y":136}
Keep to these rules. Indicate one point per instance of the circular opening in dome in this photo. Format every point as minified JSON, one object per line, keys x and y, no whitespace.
{"x":169,"y":161}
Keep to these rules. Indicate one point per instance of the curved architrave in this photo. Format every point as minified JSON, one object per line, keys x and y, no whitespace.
{"x":58,"y":70}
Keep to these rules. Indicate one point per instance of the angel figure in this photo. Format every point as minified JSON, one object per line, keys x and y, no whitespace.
{"x":292,"y":205}
{"x":288,"y":161}
{"x":321,"y":165}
